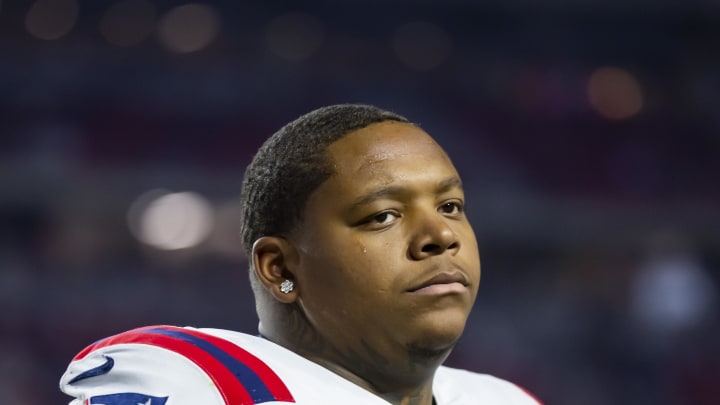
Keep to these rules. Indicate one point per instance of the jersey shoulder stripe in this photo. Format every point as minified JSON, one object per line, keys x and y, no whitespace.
{"x":240,"y":377}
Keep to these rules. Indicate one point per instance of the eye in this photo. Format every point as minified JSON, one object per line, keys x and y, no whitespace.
{"x":452,"y":207}
{"x":383,"y":218}
{"x":379,"y":221}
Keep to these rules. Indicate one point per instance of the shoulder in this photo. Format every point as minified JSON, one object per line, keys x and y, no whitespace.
{"x":156,"y":363}
{"x":167,"y":365}
{"x":458,"y":387}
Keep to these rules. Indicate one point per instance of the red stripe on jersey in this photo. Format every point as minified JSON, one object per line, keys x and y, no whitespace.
{"x":229,"y":387}
{"x":206,"y":361}
{"x":269,"y":378}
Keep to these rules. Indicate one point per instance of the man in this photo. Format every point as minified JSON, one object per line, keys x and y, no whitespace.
{"x":364,"y":268}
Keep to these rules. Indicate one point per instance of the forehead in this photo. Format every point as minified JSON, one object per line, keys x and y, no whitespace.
{"x":386,"y":149}
{"x":384,"y":154}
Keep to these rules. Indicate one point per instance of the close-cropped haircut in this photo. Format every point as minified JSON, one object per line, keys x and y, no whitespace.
{"x":292,"y":163}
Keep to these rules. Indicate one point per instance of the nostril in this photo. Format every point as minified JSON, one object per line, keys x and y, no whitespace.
{"x":435,"y":248}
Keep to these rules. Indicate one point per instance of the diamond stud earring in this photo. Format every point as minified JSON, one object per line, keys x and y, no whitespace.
{"x":287,"y":286}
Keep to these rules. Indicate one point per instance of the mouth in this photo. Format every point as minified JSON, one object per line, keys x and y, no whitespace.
{"x":442,"y":283}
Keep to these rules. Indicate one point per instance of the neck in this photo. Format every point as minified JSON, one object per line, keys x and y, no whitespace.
{"x":402,"y":378}
{"x":396,"y":393}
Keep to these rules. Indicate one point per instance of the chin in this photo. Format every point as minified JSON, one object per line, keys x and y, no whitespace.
{"x":435,"y":343}
{"x":437,"y":336}
{"x":430,"y":351}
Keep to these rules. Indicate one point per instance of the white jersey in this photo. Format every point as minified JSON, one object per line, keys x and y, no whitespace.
{"x":166,"y":365}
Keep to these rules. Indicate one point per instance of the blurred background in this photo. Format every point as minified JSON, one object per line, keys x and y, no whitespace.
{"x":587,"y":133}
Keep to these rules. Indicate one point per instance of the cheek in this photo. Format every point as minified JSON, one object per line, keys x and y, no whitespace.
{"x":470,"y":243}
{"x":334,"y":264}
{"x":336,"y":258}
{"x":340,"y":291}
{"x":471,"y":253}
{"x":353,"y":271}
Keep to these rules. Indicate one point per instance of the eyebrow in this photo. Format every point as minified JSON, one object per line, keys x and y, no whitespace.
{"x":448,"y":184}
{"x":442,"y":187}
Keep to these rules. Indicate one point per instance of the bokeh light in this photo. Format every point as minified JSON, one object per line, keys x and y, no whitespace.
{"x":225,"y":237}
{"x":189,"y":28}
{"x":421,"y":45}
{"x":51,"y":19}
{"x":171,"y":221}
{"x":295,"y":36}
{"x":614,"y":93}
{"x":128,"y":22}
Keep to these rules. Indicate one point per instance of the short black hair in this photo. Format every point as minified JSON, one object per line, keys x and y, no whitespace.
{"x":292,"y":163}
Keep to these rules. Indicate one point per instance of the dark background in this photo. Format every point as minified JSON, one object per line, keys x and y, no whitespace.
{"x":586,"y":133}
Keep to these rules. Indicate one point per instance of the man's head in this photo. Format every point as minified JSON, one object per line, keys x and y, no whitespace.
{"x":376,"y":240}
{"x":292,"y":164}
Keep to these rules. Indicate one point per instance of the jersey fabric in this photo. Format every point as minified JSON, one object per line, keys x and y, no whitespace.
{"x":166,"y":365}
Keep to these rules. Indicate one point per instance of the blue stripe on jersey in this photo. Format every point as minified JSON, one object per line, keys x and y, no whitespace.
{"x":95,"y":371}
{"x":257,"y":389}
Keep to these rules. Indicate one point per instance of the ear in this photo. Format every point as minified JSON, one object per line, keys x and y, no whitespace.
{"x":272,"y":258}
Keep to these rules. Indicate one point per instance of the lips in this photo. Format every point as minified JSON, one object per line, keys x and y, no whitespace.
{"x":447,"y":278}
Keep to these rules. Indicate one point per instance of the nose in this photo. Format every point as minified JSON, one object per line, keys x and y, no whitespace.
{"x":433,"y":236}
